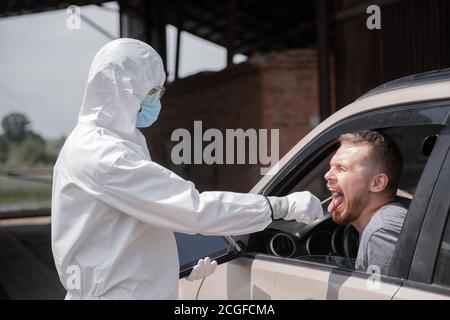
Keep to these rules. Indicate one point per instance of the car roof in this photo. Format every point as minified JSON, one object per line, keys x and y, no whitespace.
{"x":412,"y":80}
{"x":429,"y":86}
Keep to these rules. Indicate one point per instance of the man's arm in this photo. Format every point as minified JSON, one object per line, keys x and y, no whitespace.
{"x":155,"y":195}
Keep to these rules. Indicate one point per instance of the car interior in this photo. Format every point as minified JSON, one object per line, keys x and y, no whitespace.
{"x":324,"y":241}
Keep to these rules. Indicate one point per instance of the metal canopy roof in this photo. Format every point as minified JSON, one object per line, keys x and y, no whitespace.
{"x":257,"y":25}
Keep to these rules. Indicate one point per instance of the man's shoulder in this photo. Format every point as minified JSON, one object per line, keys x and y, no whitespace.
{"x":392,"y":214}
{"x":388,"y":218}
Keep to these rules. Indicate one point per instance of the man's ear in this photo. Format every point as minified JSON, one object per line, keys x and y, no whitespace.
{"x":379,"y":182}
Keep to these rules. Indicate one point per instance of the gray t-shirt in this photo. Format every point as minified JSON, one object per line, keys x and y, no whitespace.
{"x":378,"y":239}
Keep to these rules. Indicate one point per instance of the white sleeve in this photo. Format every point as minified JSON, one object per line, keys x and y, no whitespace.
{"x":155,"y":195}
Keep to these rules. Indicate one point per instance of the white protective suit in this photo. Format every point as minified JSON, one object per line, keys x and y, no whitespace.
{"x":114,"y":210}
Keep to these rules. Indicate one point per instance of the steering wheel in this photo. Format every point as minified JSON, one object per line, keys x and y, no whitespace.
{"x":350,"y":239}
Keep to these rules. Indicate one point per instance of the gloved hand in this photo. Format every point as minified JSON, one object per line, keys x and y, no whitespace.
{"x":299,"y":206}
{"x":203,"y":269}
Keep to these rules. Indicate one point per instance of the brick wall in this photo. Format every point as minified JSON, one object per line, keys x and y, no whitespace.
{"x":274,"y":91}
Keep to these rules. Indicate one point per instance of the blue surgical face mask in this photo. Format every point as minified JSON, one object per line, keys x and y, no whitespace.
{"x":150,"y":108}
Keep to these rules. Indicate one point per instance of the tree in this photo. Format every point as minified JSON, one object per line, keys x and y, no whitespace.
{"x":28,"y":153}
{"x":15,"y":127}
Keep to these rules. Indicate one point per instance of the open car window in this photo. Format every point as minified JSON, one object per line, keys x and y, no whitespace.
{"x":324,"y":241}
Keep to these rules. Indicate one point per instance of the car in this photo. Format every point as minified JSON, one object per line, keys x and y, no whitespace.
{"x":290,"y":260}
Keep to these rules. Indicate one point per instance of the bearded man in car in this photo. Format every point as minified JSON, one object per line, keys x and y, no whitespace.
{"x":363,"y":178}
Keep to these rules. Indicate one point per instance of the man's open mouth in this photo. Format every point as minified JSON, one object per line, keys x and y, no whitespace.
{"x":338,"y":199}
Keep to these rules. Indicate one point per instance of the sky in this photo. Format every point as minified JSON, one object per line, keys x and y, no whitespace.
{"x":44,"y":64}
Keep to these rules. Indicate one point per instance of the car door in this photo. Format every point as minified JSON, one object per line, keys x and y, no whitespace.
{"x":428,"y":276}
{"x":277,"y":278}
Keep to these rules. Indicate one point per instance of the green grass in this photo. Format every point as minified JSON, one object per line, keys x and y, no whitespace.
{"x":41,"y":195}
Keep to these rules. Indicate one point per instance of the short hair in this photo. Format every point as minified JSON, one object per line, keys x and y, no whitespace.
{"x":385,"y":154}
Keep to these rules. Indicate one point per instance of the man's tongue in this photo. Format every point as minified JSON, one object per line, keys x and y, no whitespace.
{"x":336,"y":202}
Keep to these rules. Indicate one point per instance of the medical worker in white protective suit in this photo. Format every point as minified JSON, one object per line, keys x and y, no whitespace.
{"x":114,"y":210}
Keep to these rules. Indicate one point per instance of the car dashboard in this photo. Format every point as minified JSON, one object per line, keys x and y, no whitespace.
{"x":289,"y":239}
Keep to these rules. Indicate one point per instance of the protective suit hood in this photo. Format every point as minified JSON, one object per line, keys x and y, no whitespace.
{"x":121,"y":75}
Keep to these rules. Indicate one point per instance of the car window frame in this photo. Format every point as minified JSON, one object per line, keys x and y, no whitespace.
{"x":433,"y":227}
{"x":423,"y":271}
{"x":407,"y":242}
{"x":427,"y":113}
